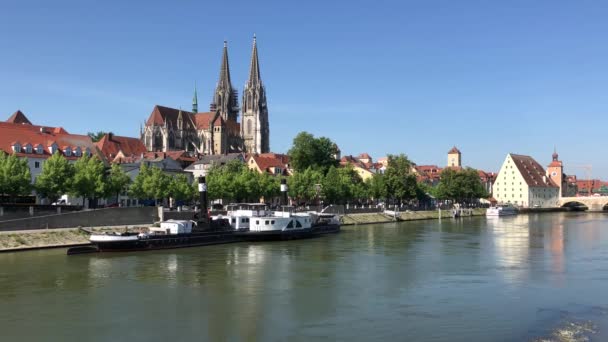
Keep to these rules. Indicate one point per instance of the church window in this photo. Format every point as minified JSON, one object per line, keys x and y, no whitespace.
{"x":249,"y":126}
{"x":158,"y":141}
{"x":171,"y":140}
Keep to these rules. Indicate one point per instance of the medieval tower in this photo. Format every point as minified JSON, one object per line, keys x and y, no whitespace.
{"x":254,"y":124}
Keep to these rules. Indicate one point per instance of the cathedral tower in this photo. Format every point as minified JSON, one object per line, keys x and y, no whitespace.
{"x":225,"y":99}
{"x":254,"y":124}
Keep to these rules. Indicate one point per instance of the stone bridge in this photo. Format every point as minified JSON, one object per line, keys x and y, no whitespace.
{"x":594,"y":203}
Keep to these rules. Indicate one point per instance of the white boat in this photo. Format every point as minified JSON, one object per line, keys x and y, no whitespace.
{"x":501,"y":210}
{"x":255,"y":221}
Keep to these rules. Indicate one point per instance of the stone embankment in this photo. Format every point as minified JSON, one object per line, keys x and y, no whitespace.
{"x":49,"y":238}
{"x":353,"y":219}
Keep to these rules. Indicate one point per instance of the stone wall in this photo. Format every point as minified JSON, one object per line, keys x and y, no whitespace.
{"x":89,"y":218}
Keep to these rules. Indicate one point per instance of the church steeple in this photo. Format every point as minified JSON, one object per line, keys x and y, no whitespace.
{"x":195,"y":101}
{"x":254,"y":126}
{"x":225,"y":97}
{"x":254,"y":70}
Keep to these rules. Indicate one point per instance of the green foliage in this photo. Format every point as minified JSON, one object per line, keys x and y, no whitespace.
{"x":400,"y":182}
{"x":137,"y":187}
{"x":15,"y":177}
{"x":89,"y":178}
{"x":308,"y":151}
{"x":96,"y":136}
{"x":156,"y":185}
{"x":460,"y":185}
{"x":55,"y":178}
{"x":117,"y":181}
{"x":236,"y":182}
{"x":376,"y":187}
{"x":305,"y":186}
{"x":180,"y":189}
{"x":342,"y":185}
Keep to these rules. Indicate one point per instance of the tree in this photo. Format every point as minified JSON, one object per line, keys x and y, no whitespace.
{"x":96,"y":136}
{"x":376,"y":187}
{"x":116,"y":182}
{"x":400,"y":182}
{"x":270,"y":186}
{"x":463,"y":185}
{"x":55,"y":178}
{"x":137,"y":187}
{"x":89,"y":178}
{"x":180,"y":189}
{"x":156,"y":184}
{"x":15,"y":177}
{"x":303,"y":185}
{"x":308,"y":151}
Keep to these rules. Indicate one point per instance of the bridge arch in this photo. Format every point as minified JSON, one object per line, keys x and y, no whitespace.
{"x":576,"y":205}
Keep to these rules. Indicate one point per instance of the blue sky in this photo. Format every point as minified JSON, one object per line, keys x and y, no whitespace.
{"x":414,"y":77}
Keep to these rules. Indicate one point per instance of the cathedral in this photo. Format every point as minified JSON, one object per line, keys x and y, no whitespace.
{"x":217,"y":131}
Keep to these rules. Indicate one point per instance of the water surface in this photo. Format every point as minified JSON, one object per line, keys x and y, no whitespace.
{"x":523,"y":278}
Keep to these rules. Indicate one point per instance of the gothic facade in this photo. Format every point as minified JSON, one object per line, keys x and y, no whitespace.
{"x":217,"y":131}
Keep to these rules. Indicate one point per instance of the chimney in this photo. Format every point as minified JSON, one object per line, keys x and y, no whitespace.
{"x":42,"y":129}
{"x":110,"y":136}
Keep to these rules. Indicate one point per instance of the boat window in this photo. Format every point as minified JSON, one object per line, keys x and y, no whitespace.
{"x":266,"y":222}
{"x":290,"y":225}
{"x":233,"y":220}
{"x":272,"y":222}
{"x":298,"y":224}
{"x":257,"y":222}
{"x":243,"y":220}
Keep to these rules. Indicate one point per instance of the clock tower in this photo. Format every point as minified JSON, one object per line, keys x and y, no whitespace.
{"x":555,"y":171}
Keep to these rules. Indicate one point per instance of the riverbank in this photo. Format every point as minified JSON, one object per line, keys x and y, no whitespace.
{"x":55,"y":238}
{"x":370,"y":218}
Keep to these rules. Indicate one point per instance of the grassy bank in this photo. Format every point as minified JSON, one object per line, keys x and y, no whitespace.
{"x":351,"y":219}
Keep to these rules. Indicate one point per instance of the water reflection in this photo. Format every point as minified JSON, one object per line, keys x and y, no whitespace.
{"x":466,"y":279}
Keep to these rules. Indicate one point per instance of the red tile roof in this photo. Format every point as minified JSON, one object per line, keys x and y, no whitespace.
{"x":161,"y":114}
{"x":203,"y":120}
{"x":267,"y":160}
{"x":454,"y":150}
{"x":24,"y":134}
{"x":19,"y":118}
{"x":534,"y":174}
{"x":110,"y":145}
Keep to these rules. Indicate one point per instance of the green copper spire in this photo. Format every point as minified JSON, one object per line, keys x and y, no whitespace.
{"x":195,"y":101}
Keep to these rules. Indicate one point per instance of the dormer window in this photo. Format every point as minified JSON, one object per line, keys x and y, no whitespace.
{"x":39,"y":149}
{"x":53,"y":148}
{"x":87,"y":151}
{"x":67,"y":151}
{"x":16,"y":147}
{"x":78,"y":152}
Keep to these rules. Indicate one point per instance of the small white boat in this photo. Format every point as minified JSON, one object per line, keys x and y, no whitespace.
{"x":501,"y":210}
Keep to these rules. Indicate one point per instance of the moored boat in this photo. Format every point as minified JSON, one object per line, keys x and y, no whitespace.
{"x":502,"y":210}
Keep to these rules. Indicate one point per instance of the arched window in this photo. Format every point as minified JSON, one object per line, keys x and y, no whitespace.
{"x":171,"y":140}
{"x":158,"y":141}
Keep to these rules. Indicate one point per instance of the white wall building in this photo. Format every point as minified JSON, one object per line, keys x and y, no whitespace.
{"x":523,"y":182}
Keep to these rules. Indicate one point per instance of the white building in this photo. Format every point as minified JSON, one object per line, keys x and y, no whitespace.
{"x":523,"y":182}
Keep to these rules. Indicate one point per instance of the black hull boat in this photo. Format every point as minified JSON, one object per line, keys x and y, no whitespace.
{"x":169,"y":241}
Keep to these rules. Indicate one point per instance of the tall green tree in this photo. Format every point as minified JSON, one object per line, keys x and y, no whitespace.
{"x":137,"y":186}
{"x":156,"y":184}
{"x":117,"y":181}
{"x":460,"y":185}
{"x":303,"y":186}
{"x":399,"y":180}
{"x":376,"y":187}
{"x":307,"y":151}
{"x":15,"y":177}
{"x":55,"y":178}
{"x":89,"y":178}
{"x":181,"y":189}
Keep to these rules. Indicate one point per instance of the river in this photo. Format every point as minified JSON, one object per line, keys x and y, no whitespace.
{"x":537,"y":277}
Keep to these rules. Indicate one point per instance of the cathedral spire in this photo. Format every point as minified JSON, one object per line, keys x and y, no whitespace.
{"x":225,"y":68}
{"x":254,"y":70}
{"x":195,"y":101}
{"x":225,"y":98}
